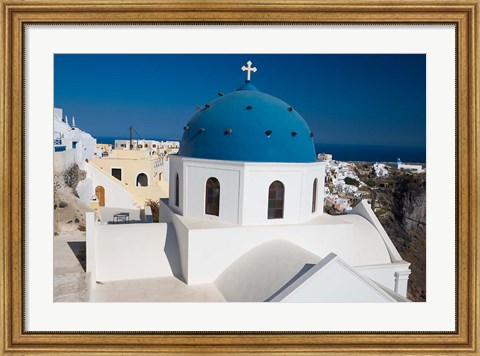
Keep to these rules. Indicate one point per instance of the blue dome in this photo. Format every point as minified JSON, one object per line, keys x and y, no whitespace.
{"x":248,"y":125}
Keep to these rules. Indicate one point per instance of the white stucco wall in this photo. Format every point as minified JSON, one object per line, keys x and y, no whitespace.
{"x":229,"y":179}
{"x":181,"y":234}
{"x":385,"y":275}
{"x":63,"y":160}
{"x":166,"y":169}
{"x":85,"y":190}
{"x":244,"y":189}
{"x":87,"y":147}
{"x":255,"y":197}
{"x":91,"y":267}
{"x":298,"y":183}
{"x":130,"y":251}
{"x":176,"y":167}
{"x":85,"y":144}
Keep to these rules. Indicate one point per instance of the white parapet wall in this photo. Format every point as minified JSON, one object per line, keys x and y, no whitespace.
{"x":91,"y":256}
{"x":364,"y":210}
{"x":146,"y":215}
{"x":393,"y":276}
{"x":63,"y":160}
{"x":126,"y":251}
{"x":181,"y":236}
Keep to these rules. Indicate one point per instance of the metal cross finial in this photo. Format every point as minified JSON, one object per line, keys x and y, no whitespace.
{"x":249,"y":69}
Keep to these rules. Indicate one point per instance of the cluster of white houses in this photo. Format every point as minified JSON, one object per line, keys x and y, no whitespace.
{"x":160,"y":148}
{"x":244,"y":214}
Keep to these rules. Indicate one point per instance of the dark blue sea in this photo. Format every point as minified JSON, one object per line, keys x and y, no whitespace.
{"x":344,"y":152}
{"x":111,"y":140}
{"x":373,"y":153}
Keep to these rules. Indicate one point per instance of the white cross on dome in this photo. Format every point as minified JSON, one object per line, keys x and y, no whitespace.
{"x":249,"y":69}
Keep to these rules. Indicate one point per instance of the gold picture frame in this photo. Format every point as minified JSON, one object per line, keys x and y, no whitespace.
{"x":464,"y":14}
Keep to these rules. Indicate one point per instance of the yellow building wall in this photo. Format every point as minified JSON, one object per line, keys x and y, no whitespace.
{"x":104,"y":146}
{"x":131,"y":168}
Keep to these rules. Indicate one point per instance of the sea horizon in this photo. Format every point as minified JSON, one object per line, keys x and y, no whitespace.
{"x":340,"y":152}
{"x":373,"y":153}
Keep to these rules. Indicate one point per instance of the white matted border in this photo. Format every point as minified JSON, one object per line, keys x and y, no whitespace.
{"x":436,"y":41}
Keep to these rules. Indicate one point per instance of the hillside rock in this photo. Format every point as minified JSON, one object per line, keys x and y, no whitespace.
{"x":68,"y":210}
{"x":405,"y":223}
{"x":400,"y":203}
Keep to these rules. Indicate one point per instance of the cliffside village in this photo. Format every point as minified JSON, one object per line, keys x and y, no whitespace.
{"x":347,"y":183}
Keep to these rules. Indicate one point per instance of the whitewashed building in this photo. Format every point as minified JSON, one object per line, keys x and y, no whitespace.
{"x":325,"y":157}
{"x":417,"y":168}
{"x":161,"y":148}
{"x":381,"y":169}
{"x":71,"y":144}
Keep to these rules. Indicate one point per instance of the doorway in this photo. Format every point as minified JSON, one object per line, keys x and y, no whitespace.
{"x":100,"y":193}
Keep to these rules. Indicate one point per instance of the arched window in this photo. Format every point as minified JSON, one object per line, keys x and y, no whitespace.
{"x":276,"y":194}
{"x":314,"y":196}
{"x":212,"y":197}
{"x":142,"y":180}
{"x":177,"y":191}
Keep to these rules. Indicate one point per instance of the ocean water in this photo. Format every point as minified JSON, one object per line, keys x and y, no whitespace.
{"x":373,"y":153}
{"x":344,"y":152}
{"x":111,"y":140}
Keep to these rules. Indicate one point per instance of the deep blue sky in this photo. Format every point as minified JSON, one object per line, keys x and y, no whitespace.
{"x":346,"y":99}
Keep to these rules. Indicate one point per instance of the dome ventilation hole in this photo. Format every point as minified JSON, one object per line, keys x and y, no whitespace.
{"x":220,"y":94}
{"x":268,"y":133}
{"x":249,"y":107}
{"x":294,"y":133}
{"x":290,"y":109}
{"x":208,"y":106}
{"x":311,"y":134}
{"x":186,"y":128}
{"x":228,"y":131}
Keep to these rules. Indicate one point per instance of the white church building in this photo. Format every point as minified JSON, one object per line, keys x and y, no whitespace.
{"x":245,"y":215}
{"x":416,"y":168}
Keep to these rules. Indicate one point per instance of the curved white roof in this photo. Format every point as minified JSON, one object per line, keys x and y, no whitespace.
{"x":259,"y":273}
{"x":352,"y":237}
{"x":368,"y":247}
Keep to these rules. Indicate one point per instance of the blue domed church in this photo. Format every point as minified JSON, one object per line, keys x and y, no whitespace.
{"x":247,"y":158}
{"x":245,"y":208}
